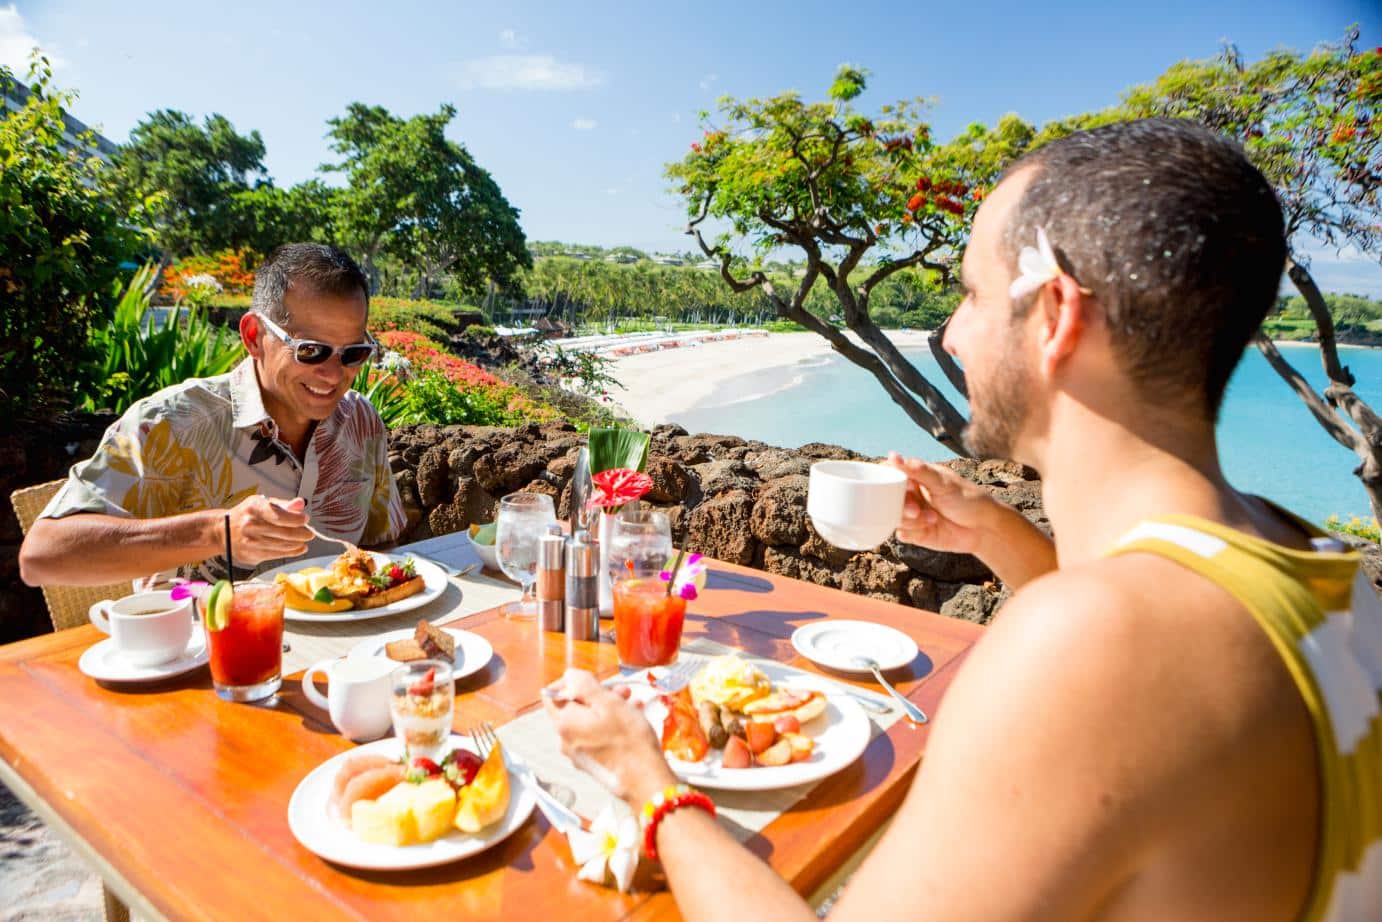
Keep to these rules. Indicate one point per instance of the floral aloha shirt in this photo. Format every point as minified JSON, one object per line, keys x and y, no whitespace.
{"x":209,"y":443}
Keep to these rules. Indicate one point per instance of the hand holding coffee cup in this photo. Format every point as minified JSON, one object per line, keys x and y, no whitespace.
{"x":855,"y":505}
{"x":147,"y":628}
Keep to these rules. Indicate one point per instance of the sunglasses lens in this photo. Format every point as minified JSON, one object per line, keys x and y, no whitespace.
{"x":313,"y":353}
{"x":356,"y":355}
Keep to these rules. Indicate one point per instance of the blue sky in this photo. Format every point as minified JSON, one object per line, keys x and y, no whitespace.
{"x":574,"y":108}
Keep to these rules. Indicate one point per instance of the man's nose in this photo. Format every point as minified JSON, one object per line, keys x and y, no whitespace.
{"x":953,"y":329}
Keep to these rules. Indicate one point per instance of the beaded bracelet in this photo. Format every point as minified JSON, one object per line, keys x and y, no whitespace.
{"x":672,"y":797}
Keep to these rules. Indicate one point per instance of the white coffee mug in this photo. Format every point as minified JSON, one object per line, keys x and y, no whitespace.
{"x":357,"y":695}
{"x":148,"y":628}
{"x":855,"y":505}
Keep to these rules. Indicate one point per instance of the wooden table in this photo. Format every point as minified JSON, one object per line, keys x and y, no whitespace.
{"x":180,"y":799}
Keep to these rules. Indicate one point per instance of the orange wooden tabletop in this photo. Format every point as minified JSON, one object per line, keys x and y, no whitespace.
{"x":182,"y":798}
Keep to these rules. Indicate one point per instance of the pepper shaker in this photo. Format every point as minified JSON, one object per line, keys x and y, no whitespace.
{"x":551,"y":580}
{"x":582,"y":587}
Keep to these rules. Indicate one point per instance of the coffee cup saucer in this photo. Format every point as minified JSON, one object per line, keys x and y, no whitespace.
{"x":103,"y":662}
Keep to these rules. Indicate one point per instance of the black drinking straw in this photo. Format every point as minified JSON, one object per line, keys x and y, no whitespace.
{"x":230,"y":564}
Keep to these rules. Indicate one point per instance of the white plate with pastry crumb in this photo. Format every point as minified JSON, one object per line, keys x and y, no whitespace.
{"x":473,"y":652}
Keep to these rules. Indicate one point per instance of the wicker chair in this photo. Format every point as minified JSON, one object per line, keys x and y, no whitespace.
{"x":69,"y":606}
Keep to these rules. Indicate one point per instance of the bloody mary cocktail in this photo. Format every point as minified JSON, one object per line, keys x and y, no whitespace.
{"x":647,"y":622}
{"x":246,"y":652}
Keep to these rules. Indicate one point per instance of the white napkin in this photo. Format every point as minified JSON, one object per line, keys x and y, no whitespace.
{"x":454,"y":552}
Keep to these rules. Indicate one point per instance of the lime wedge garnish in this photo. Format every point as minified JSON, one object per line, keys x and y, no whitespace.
{"x":218,"y":605}
{"x":324,"y":596}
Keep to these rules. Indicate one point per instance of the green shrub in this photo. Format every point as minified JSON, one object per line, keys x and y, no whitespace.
{"x":429,"y":318}
{"x":62,"y":241}
{"x":784,"y":326}
{"x":475,"y":330}
{"x":1356,"y":526}
{"x":135,"y":358}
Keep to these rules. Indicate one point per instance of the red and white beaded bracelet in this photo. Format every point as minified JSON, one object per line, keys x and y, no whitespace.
{"x":672,"y":797}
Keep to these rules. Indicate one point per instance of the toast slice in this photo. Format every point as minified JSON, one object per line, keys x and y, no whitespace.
{"x":392,"y":594}
{"x":404,"y":651}
{"x":435,"y":642}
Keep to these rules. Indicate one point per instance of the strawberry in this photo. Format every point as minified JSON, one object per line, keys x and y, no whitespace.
{"x":424,"y":764}
{"x":423,"y":686}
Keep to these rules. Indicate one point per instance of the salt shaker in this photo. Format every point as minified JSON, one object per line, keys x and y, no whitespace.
{"x":582,"y":587}
{"x":551,"y":580}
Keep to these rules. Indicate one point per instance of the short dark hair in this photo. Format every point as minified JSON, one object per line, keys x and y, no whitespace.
{"x":325,"y":269}
{"x":1178,"y":235}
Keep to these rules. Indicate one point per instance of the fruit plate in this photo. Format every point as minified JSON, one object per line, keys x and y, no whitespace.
{"x":841,"y":734}
{"x":319,"y":832}
{"x":433,"y":583}
{"x":473,"y":652}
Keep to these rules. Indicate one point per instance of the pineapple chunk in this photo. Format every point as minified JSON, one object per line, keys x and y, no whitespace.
{"x":434,"y":808}
{"x":486,"y":799}
{"x":388,"y":820}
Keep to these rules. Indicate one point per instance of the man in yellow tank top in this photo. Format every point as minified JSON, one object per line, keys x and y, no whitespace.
{"x":1176,"y":716}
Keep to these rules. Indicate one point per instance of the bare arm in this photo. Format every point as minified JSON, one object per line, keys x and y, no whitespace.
{"x":88,"y":549}
{"x":1032,"y":800}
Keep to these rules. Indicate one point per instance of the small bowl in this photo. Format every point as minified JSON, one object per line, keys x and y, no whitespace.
{"x":489,"y":553}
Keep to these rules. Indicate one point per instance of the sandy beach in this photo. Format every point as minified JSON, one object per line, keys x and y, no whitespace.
{"x":661,"y":384}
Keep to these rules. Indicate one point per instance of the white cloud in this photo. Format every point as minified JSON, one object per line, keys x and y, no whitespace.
{"x":708,"y":79}
{"x":584,"y":124}
{"x":526,"y":72}
{"x":508,"y":38}
{"x":17,"y":43}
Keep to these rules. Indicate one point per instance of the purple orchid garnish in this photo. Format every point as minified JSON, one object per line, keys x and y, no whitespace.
{"x":688,"y":592}
{"x":186,"y":588}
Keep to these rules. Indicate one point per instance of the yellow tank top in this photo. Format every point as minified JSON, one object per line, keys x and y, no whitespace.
{"x":1325,"y":620}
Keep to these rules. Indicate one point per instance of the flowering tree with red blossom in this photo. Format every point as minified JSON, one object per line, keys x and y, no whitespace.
{"x":860,"y":197}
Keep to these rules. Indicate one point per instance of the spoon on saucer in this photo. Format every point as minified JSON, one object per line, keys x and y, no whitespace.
{"x":912,"y":711}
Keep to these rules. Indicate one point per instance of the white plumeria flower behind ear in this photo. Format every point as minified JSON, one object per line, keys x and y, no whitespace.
{"x":1037,"y":267}
{"x":612,"y":844}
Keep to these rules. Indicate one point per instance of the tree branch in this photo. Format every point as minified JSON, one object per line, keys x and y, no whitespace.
{"x":953,"y":373}
{"x":1342,"y":433}
{"x":1324,"y":322}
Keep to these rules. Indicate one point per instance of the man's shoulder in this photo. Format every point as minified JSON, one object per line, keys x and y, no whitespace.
{"x":193,"y":402}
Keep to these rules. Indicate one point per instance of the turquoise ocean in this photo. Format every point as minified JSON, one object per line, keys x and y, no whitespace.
{"x":1269,"y":442}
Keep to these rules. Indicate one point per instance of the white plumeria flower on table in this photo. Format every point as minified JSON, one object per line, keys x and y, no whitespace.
{"x":611,"y":845}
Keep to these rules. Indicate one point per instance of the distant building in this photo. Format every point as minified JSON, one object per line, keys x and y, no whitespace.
{"x":668,"y":260}
{"x":16,"y":95}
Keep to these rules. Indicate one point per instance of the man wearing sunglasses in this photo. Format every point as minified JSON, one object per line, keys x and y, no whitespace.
{"x":278,"y":444}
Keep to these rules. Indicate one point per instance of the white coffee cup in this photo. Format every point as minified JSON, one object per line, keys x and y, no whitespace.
{"x":148,"y":628}
{"x":357,"y":695}
{"x":855,"y":505}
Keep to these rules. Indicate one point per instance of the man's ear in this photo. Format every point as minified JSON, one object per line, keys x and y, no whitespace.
{"x":251,"y":334}
{"x":1064,"y":318}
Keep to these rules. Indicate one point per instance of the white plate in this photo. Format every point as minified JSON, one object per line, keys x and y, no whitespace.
{"x":433,"y":581}
{"x":841,"y":734}
{"x":473,"y":652}
{"x":102,"y":661}
{"x":831,"y":643}
{"x":319,"y":832}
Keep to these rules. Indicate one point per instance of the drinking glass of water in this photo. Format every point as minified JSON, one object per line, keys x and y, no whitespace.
{"x":522,"y":521}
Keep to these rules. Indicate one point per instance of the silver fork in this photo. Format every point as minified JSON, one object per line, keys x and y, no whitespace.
{"x":559,"y":815}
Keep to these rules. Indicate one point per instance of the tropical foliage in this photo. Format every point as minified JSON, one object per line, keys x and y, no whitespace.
{"x":61,"y":245}
{"x":137,"y":356}
{"x":421,"y":197}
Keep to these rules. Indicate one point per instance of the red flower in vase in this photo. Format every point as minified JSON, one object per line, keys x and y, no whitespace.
{"x":619,"y":486}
